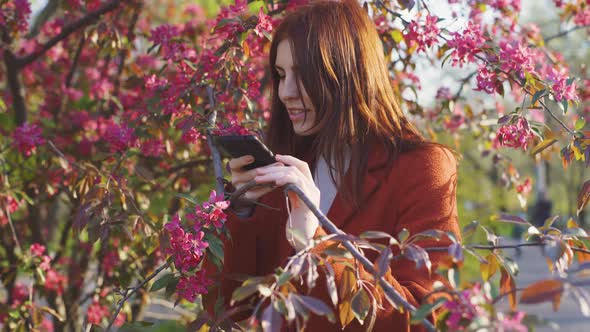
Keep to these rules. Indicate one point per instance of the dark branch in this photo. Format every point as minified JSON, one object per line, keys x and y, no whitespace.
{"x":565,"y":32}
{"x":68,"y":30}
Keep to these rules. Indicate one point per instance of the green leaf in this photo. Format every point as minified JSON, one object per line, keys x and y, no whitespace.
{"x":162,"y":282}
{"x":580,"y":123}
{"x":565,"y":105}
{"x":403,"y":235}
{"x":360,"y":305}
{"x":215,"y":246}
{"x":187,"y":197}
{"x":419,"y":315}
{"x":537,"y":95}
{"x":244,"y":291}
{"x":254,"y":7}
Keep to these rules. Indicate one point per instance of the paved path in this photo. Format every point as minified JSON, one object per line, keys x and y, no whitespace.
{"x":568,"y":318}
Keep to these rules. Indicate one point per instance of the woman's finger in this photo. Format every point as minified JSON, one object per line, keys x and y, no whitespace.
{"x":300,"y":164}
{"x":236,"y":164}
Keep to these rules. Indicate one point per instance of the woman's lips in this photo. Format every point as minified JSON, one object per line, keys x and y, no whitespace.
{"x":296,"y":114}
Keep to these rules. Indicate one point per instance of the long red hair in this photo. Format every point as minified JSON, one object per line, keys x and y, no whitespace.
{"x":342,"y":67}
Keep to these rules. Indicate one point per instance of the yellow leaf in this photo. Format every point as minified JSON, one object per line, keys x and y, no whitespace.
{"x":345,"y":312}
{"x":543,"y":145}
{"x":348,"y":284}
{"x":397,"y":36}
{"x":490,"y":268}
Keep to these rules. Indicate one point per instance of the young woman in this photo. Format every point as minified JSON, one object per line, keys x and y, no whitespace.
{"x":340,"y":135}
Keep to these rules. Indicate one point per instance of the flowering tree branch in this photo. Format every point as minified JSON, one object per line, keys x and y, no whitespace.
{"x":565,"y":32}
{"x":68,"y":30}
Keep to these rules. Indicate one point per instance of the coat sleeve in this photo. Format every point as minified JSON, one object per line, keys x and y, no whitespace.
{"x":423,"y":192}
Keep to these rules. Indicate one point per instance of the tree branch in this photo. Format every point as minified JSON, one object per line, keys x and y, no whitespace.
{"x":566,"y":32}
{"x":18,"y":101}
{"x":129,"y":292}
{"x":68,"y":30}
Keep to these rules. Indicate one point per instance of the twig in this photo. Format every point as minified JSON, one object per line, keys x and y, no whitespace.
{"x":563,"y":33}
{"x":389,"y":291}
{"x":214,"y":152}
{"x":67,"y":30}
{"x":129,"y":292}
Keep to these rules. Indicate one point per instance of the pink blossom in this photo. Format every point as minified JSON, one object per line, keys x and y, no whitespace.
{"x":54,"y":281}
{"x":512,"y":323}
{"x":164,"y":34}
{"x":525,"y":187}
{"x":119,"y":137}
{"x":37,"y":249}
{"x":26,"y":138}
{"x":424,"y":35}
{"x":515,"y":135}
{"x":7,"y":203}
{"x":110,"y":262}
{"x":582,"y":17}
{"x":96,"y":312}
{"x":467,"y":44}
{"x":186,"y":248}
{"x":454,"y":122}
{"x":189,"y":287}
{"x":20,"y":293}
{"x":211,"y":212}
{"x":17,"y":11}
{"x":264,"y":24}
{"x":45,"y":264}
{"x":487,"y":81}
{"x":516,"y":57}
{"x":560,"y":86}
{"x":152,"y":147}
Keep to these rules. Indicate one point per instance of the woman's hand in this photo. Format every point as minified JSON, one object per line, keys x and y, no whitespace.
{"x":295,"y":171}
{"x":240,"y":177}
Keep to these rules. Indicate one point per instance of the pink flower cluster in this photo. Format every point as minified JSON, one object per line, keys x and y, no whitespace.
{"x":466,"y":44}
{"x":17,"y":11}
{"x":26,"y":138}
{"x":119,"y":137}
{"x":233,"y":127}
{"x":561,"y":89}
{"x":189,"y":287}
{"x":211,"y":212}
{"x":424,"y":35}
{"x":167,"y":36}
{"x":264,"y":24}
{"x":515,"y":135}
{"x":187,"y":248}
{"x":37,"y":250}
{"x":487,"y":80}
{"x":504,"y":4}
{"x":7,"y":203}
{"x":516,"y":57}
{"x":96,"y":312}
{"x":582,"y":17}
{"x":227,"y":26}
{"x":471,"y":304}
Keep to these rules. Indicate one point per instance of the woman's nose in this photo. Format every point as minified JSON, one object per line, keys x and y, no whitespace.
{"x":289,"y":88}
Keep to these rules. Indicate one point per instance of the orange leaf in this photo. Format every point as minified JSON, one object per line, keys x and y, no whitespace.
{"x":507,"y":286}
{"x":583,"y":196}
{"x":542,"y":291}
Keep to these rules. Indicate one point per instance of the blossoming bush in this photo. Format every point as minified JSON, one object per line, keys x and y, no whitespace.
{"x":109,"y":203}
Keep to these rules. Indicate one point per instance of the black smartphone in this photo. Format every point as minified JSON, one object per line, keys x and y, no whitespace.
{"x":236,"y":146}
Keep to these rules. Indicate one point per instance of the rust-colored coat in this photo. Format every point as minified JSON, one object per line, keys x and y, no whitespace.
{"x":416,"y":193}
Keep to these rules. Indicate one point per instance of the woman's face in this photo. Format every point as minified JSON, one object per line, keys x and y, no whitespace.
{"x":301,"y":118}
